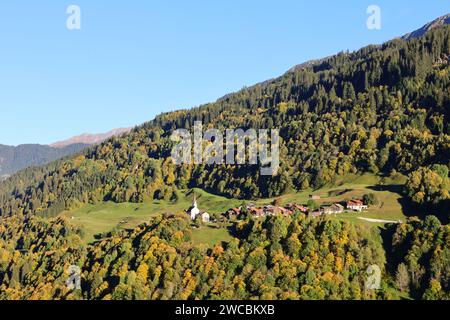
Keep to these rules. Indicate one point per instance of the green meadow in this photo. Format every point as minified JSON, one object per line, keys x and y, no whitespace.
{"x":105,"y":217}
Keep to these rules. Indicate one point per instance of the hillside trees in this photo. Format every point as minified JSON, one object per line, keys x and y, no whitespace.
{"x":274,"y":258}
{"x":35,"y":255}
{"x":424,"y":265}
{"x":430,"y":187}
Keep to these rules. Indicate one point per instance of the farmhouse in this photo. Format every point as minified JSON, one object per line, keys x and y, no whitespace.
{"x":337,"y":208}
{"x":356,"y":205}
{"x":293,"y":207}
{"x":315,"y":214}
{"x":285,"y":211}
{"x":327,"y":210}
{"x":271,"y":210}
{"x":233,"y":212}
{"x":206,"y":218}
{"x":256,"y":212}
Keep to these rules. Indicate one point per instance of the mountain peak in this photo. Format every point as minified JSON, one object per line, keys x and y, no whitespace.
{"x":439,"y":22}
{"x":89,"y":138}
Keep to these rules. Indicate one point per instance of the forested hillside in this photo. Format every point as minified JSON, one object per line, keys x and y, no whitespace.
{"x":380,"y":109}
{"x":274,"y":258}
{"x":421,"y":254}
{"x":13,"y":159}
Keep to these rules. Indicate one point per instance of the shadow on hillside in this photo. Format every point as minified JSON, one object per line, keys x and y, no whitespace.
{"x":392,"y":259}
{"x":408,"y":208}
{"x":394,"y":256}
{"x":338,"y":193}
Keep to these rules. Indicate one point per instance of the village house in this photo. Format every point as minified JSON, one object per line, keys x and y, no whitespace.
{"x":293,"y":207}
{"x":256,"y":212}
{"x":315,"y":214}
{"x":206,"y":218}
{"x":271,"y":210}
{"x":356,"y":205}
{"x":334,"y":209}
{"x":327,"y":210}
{"x":337,"y":208}
{"x":233,"y":212}
{"x":314,"y":197}
{"x":285,"y":211}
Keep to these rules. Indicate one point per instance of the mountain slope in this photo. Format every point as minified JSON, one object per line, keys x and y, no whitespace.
{"x":88,"y":138}
{"x":439,"y":22}
{"x":13,"y":159}
{"x":380,"y":109}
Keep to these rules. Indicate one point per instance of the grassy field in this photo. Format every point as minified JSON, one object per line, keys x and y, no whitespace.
{"x":210,"y":236}
{"x":104,"y":217}
{"x":389,"y":206}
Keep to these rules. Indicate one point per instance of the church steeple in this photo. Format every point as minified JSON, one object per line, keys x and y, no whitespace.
{"x":194,"y":211}
{"x":194,"y":204}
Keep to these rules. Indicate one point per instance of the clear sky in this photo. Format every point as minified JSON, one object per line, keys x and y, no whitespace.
{"x":134,"y":59}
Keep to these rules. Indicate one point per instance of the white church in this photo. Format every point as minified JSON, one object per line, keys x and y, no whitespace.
{"x":194,"y":212}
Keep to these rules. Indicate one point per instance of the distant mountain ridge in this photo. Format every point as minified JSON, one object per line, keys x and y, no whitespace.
{"x":439,"y":22}
{"x":16,"y":158}
{"x":13,"y":159}
{"x":88,"y":138}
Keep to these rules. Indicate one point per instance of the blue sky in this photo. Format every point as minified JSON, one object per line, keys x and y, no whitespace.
{"x":134,"y":59}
